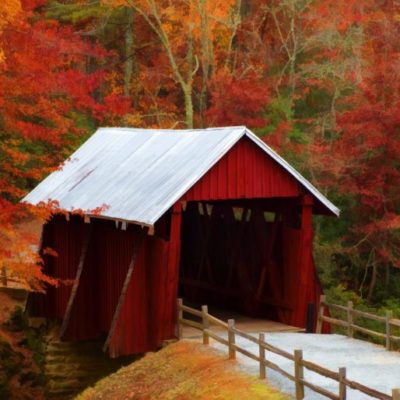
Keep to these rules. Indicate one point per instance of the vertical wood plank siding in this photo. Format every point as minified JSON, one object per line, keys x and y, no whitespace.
{"x":244,"y":172}
{"x":145,"y":320}
{"x":148,"y":314}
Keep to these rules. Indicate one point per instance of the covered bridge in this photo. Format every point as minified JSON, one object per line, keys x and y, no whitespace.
{"x":214,"y":214}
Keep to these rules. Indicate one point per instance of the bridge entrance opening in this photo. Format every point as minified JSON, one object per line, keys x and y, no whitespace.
{"x":243,"y":256}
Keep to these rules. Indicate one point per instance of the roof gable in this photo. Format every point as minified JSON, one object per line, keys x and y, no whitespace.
{"x":140,"y":173}
{"x":244,"y":172}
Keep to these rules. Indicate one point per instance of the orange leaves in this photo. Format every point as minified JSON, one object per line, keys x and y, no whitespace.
{"x":19,"y":239}
{"x":183,"y":370}
{"x":9,"y":10}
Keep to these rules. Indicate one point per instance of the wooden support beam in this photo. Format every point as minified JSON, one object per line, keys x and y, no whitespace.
{"x":305,"y":270}
{"x":172,"y":273}
{"x":71,"y":300}
{"x":269,"y":250}
{"x":124,"y":290}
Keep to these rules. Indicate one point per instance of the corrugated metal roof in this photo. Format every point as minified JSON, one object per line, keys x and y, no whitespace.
{"x":140,"y":173}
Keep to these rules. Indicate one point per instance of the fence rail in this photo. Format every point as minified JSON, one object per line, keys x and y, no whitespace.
{"x":299,"y":363}
{"x":351,"y":314}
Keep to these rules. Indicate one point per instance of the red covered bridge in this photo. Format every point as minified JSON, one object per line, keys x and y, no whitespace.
{"x":214,"y":214}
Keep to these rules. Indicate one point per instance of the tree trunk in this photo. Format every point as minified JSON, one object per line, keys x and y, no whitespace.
{"x":188,"y":107}
{"x":187,"y":87}
{"x":206,"y":59}
{"x":373,"y":281}
{"x":129,"y":49}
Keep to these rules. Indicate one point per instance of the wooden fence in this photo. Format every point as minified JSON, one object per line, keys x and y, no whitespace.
{"x":348,"y":322}
{"x":7,"y":281}
{"x":299,"y":363}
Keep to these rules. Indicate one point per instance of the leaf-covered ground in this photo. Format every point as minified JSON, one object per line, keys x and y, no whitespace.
{"x":183,"y":370}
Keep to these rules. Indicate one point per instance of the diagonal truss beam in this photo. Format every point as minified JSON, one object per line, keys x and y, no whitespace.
{"x":67,"y":315}
{"x":124,"y":289}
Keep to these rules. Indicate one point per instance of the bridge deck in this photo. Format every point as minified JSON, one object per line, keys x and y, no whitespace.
{"x":242,"y":322}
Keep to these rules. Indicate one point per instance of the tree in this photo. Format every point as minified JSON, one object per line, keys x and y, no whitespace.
{"x":369,"y":149}
{"x":197,"y":39}
{"x":44,"y":92}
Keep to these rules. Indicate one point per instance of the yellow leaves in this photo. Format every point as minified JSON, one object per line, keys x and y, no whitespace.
{"x":184,"y":370}
{"x":114,"y":3}
{"x":134,"y":120}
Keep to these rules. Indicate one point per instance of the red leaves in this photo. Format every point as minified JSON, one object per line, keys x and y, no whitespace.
{"x":114,"y":107}
{"x":237,"y":101}
{"x":45,"y":86}
{"x":370,"y":142}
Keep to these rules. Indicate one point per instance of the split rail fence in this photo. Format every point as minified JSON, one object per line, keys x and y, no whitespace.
{"x":349,"y":321}
{"x":299,"y":363}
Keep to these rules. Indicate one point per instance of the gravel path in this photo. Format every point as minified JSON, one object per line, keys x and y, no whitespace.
{"x":366,"y":363}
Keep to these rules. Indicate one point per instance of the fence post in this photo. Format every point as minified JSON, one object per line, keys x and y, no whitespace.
{"x":231,"y":339}
{"x":299,"y":374}
{"x":350,"y":319}
{"x":389,"y":316}
{"x":342,"y":384}
{"x":396,"y":394}
{"x":206,"y":324}
{"x":179,"y":317}
{"x":261,"y":338}
{"x":4,"y":276}
{"x":321,"y":312}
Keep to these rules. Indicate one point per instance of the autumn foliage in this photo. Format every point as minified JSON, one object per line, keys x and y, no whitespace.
{"x":44,"y":91}
{"x":318,"y":80}
{"x":180,"y":371}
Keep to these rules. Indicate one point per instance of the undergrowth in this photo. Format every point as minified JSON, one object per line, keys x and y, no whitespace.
{"x":339,"y":295}
{"x":22,"y":359}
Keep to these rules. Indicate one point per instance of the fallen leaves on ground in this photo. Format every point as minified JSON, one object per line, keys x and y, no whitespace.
{"x":183,"y":370}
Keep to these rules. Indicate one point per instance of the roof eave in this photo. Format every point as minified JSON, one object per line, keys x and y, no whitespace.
{"x":331,"y":208}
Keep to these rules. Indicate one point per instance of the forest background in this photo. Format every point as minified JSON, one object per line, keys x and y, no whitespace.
{"x":318,"y":80}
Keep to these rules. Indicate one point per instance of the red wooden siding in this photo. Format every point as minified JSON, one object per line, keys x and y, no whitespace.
{"x":244,"y":172}
{"x":66,"y":238}
{"x":301,"y":286}
{"x":143,"y":323}
{"x":227,"y":256}
{"x":146,"y":317}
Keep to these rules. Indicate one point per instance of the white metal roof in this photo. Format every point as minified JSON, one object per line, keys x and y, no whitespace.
{"x":140,"y":173}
